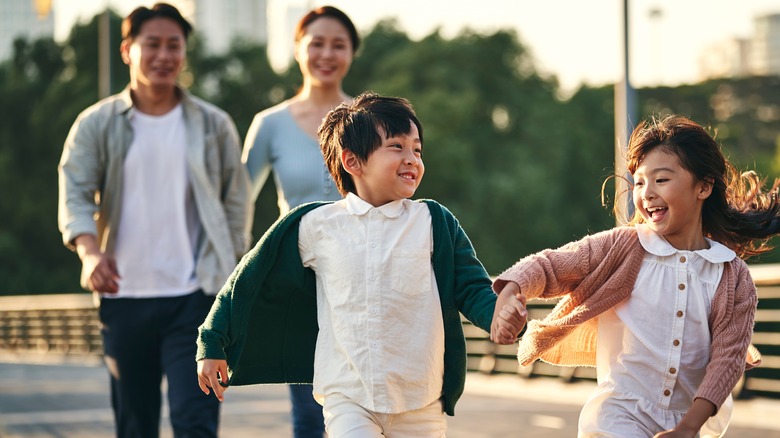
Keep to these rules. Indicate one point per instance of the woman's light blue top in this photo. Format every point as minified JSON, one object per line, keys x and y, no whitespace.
{"x":276,"y":142}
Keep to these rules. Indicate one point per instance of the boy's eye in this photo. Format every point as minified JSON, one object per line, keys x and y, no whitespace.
{"x":661,"y":180}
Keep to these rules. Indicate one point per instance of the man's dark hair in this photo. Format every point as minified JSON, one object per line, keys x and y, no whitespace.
{"x":131,"y":25}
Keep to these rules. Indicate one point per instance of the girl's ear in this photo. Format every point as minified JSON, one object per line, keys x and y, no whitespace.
{"x":705,"y":188}
{"x":351,"y":163}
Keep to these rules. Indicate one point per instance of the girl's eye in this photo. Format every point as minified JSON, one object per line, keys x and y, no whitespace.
{"x":662,"y":180}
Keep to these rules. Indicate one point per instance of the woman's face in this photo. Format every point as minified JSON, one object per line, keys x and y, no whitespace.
{"x":324,"y":52}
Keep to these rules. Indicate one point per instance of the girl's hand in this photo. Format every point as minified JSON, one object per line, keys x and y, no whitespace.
{"x":692,"y":421}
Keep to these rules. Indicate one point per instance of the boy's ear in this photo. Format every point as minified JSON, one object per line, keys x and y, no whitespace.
{"x":705,"y":188}
{"x":350,"y":162}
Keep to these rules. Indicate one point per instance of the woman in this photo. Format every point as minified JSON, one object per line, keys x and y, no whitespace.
{"x":283,"y":139}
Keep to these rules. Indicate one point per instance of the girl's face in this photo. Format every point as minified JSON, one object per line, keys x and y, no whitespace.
{"x":324,"y":52}
{"x":669,"y":199}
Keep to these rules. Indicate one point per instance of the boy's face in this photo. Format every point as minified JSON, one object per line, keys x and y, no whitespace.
{"x":392,"y":172}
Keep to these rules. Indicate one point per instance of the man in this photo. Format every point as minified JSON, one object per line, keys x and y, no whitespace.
{"x":154,"y":199}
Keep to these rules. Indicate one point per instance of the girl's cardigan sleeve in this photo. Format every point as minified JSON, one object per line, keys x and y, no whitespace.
{"x":591,"y":275}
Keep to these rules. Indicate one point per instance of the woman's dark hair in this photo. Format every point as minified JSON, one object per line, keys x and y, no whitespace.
{"x":738,"y":213}
{"x":358,"y":127}
{"x":131,"y":25}
{"x":328,"y":11}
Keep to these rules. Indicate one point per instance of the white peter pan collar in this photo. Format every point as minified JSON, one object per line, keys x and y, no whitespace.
{"x":359,"y":207}
{"x":657,"y":245}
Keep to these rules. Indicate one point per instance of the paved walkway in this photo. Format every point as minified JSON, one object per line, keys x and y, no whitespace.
{"x":69,"y":398}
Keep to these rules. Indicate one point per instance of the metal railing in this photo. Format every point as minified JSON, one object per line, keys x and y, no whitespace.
{"x":68,"y":324}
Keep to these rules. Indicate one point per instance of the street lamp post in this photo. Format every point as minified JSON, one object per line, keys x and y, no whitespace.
{"x":104,"y":54}
{"x":625,"y":116}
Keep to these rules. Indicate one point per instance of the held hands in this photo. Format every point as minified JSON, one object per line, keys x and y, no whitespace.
{"x":212,"y":374}
{"x":509,"y":316}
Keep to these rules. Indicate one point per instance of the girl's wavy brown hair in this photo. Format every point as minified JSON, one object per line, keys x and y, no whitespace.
{"x":739,"y":213}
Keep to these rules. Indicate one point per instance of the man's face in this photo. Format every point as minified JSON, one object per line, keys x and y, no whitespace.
{"x":156,"y":55}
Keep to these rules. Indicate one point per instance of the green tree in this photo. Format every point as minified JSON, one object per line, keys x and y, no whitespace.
{"x":521,"y":168}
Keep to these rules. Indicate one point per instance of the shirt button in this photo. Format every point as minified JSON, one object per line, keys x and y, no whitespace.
{"x":679,"y":313}
{"x":676,"y":342}
{"x":667,"y":392}
{"x":682,"y":259}
{"x":673,"y":370}
{"x":681,"y":286}
{"x":373,"y":244}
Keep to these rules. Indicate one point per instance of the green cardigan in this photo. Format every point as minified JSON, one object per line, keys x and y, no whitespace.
{"x":264,"y":320}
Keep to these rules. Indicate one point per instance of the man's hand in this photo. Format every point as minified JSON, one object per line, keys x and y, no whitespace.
{"x":212,"y":374}
{"x":509,"y":316}
{"x":98,"y":270}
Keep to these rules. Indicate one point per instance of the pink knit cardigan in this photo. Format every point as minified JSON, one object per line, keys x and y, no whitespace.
{"x":598,"y":272}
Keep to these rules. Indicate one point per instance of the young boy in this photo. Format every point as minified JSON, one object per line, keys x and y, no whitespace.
{"x":367,"y":289}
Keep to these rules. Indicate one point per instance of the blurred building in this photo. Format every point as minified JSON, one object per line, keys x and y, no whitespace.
{"x":738,"y":57}
{"x":282,"y":19}
{"x":729,"y":58}
{"x":765,"y":45}
{"x":219,"y":23}
{"x":30,"y":19}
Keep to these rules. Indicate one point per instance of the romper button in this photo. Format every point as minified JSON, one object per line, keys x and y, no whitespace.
{"x":679,"y":313}
{"x":682,"y":259}
{"x":667,"y":392}
{"x":676,"y":342}
{"x":672,"y":370}
{"x":681,"y":286}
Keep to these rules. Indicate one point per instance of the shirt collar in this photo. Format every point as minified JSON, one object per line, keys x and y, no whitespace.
{"x":657,"y":245}
{"x":359,"y":207}
{"x":127,"y":107}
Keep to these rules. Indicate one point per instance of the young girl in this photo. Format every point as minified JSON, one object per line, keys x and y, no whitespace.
{"x":664,"y":307}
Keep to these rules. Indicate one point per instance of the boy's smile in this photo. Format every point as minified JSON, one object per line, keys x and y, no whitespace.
{"x":393,"y":171}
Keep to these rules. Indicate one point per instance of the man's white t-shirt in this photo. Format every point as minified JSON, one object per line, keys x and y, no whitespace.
{"x":159,"y":225}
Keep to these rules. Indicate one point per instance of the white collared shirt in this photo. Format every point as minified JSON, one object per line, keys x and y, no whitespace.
{"x":381,"y":337}
{"x":655,"y":346}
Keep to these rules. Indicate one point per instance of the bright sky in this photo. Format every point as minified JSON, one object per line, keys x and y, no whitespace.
{"x":576,"y":40}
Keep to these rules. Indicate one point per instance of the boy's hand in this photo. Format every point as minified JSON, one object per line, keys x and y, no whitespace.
{"x":509,"y":316}
{"x":212,"y":373}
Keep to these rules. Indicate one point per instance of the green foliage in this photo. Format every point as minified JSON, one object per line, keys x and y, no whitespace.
{"x":520,"y":168}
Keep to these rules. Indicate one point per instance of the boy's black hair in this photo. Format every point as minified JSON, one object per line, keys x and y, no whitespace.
{"x":131,"y":25}
{"x":358,"y":127}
